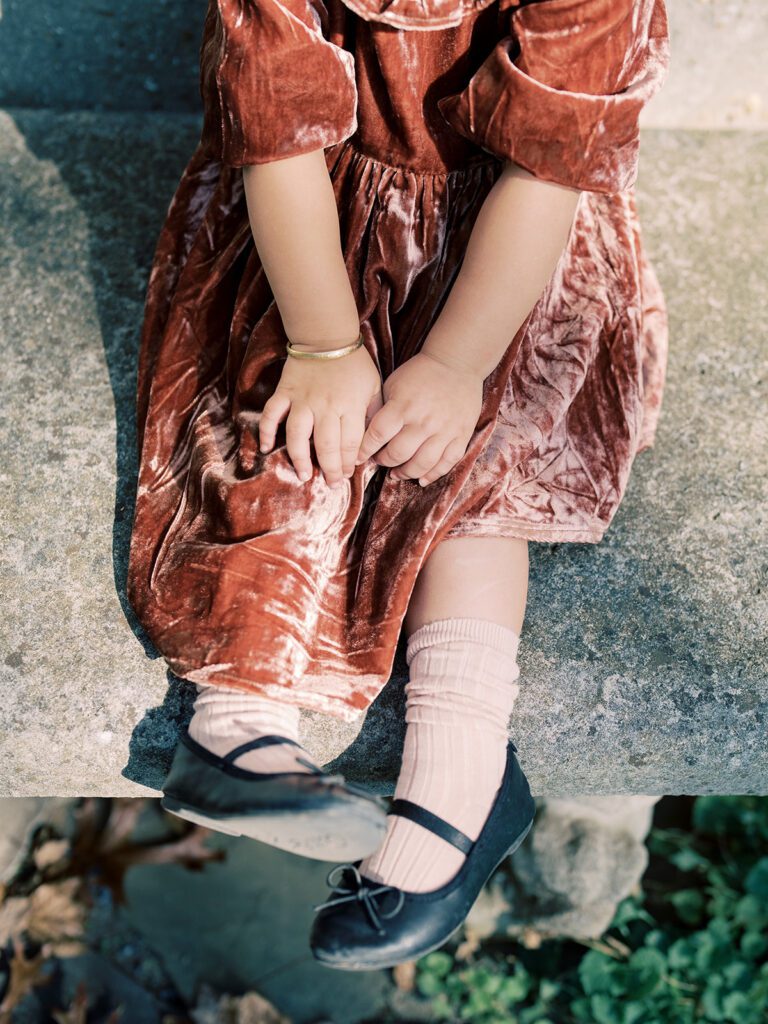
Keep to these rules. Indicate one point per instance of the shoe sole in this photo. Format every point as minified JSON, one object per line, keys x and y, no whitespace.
{"x":343,"y":832}
{"x":359,"y":965}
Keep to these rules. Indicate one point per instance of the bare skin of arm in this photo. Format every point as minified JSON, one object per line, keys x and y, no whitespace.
{"x":295,"y":223}
{"x":431,"y":402}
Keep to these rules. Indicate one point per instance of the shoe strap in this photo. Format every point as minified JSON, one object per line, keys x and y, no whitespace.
{"x":260,"y":741}
{"x":432,"y":822}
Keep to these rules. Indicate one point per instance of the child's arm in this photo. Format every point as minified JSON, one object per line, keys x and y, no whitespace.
{"x":559,"y":95}
{"x":295,"y":225}
{"x":515,"y":243}
{"x":433,"y":400}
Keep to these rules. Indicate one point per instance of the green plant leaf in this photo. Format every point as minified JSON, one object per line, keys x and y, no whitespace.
{"x":633,"y":1012}
{"x":596,"y":972}
{"x":645,"y":971}
{"x":688,"y":859}
{"x":438,"y":963}
{"x":628,"y":910}
{"x":429,"y":984}
{"x":718,"y":815}
{"x":658,"y":939}
{"x":581,"y":1008}
{"x":756,"y":882}
{"x":751,"y":912}
{"x":738,"y":1007}
{"x":548,"y":989}
{"x":738,"y":976}
{"x":516,"y":987}
{"x":605,"y":1010}
{"x":754,"y":944}
{"x":689,"y":904}
{"x":712,"y":1001}
{"x":681,"y":954}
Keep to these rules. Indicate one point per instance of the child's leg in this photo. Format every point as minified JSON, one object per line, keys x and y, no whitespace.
{"x":482,"y":576}
{"x":223,"y":718}
{"x":463,"y":626}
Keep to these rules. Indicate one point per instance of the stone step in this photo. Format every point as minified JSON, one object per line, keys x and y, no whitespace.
{"x":146,"y":58}
{"x":643,"y":666}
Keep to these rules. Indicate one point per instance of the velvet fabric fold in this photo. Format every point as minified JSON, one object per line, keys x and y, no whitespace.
{"x":267,"y":62}
{"x":240,"y":573}
{"x":561,"y":95}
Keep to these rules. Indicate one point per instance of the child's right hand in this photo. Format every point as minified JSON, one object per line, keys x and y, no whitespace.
{"x":329,"y":400}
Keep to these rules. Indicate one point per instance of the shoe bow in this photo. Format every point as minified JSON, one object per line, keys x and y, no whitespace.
{"x":362,"y":892}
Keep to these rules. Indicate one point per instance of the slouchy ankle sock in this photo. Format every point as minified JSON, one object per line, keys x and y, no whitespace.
{"x":462,"y":688}
{"x":225,"y":717}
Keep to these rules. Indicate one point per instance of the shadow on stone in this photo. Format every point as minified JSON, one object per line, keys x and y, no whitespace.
{"x":154,"y":739}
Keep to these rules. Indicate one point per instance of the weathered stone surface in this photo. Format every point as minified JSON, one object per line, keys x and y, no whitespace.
{"x":643,"y":661}
{"x":242,"y":924}
{"x":583,"y":856}
{"x":93,"y":54}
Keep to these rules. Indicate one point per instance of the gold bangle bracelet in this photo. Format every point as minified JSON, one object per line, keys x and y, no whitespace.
{"x":331,"y":353}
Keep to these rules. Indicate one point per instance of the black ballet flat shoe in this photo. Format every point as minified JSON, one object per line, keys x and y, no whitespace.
{"x":369,"y":926}
{"x":315,"y":815}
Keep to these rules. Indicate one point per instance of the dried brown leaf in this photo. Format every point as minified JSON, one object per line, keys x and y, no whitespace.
{"x":87,"y":817}
{"x":251,"y":1008}
{"x":188,"y":851}
{"x":67,"y":947}
{"x":77,"y":1013}
{"x":13,"y":917}
{"x":56,"y":911}
{"x":104,"y":846}
{"x":54,"y":853}
{"x":469,"y":945}
{"x":530,"y":938}
{"x":25,"y":975}
{"x":405,"y":976}
{"x":124,"y":814}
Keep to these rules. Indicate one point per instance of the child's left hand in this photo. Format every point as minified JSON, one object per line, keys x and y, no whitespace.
{"x":429,"y":414}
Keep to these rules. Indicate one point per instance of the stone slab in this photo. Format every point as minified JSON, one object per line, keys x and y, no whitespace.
{"x":643,"y":662}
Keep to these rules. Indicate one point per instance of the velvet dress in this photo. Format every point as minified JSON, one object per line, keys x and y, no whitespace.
{"x":245,"y":576}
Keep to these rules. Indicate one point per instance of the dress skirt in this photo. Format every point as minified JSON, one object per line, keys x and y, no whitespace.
{"x":243,"y":575}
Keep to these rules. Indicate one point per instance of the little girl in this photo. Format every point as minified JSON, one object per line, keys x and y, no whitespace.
{"x":400,"y":322}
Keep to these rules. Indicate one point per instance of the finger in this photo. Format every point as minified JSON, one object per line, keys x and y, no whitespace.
{"x":327,"y":439}
{"x":376,"y":403}
{"x":405,"y":445}
{"x":298,"y":430}
{"x":273,"y":412}
{"x":422,"y":460}
{"x":352,"y":430}
{"x":450,"y":457}
{"x":383,"y":426}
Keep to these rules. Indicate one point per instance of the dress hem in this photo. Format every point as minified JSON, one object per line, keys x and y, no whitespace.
{"x":365,"y":687}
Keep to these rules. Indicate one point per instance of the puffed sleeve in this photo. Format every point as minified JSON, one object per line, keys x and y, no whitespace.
{"x":273,"y":85}
{"x":561,"y":94}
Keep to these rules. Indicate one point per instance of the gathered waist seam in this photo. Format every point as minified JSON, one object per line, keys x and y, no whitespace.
{"x":417,"y":171}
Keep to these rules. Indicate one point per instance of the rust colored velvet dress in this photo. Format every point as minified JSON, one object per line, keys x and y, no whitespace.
{"x":243,"y":575}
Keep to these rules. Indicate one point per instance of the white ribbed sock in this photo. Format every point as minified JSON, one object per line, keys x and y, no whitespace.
{"x":224,"y":717}
{"x":461,"y":692}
